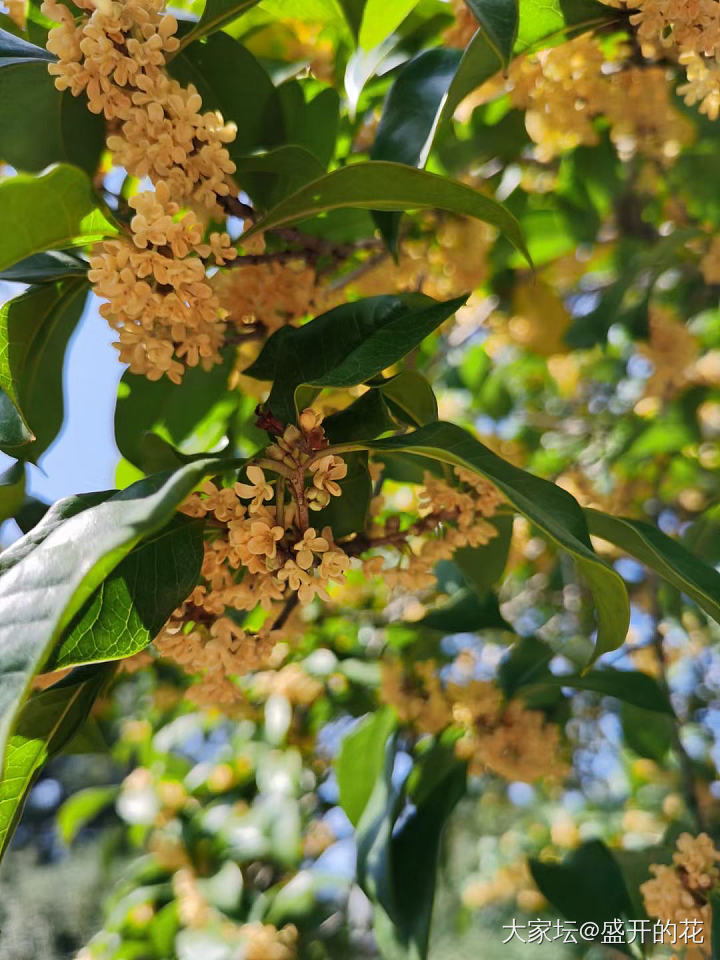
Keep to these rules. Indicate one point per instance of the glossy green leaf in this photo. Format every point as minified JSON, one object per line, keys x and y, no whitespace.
{"x":346,"y":346}
{"x":587,"y":887}
{"x":648,"y":734}
{"x":365,"y":418}
{"x":380,"y":19}
{"x":353,"y":11}
{"x":541,"y":22}
{"x":360,"y":761}
{"x":229,"y":79}
{"x":410,"y":397}
{"x":40,"y":125}
{"x":216,"y":15}
{"x":411,"y":112}
{"x":12,"y":490}
{"x":661,"y":553}
{"x":192,"y":416}
{"x":52,"y":518}
{"x":466,"y":612}
{"x":499,"y":20}
{"x":46,"y":268}
{"x":348,"y":513}
{"x":483,"y":566}
{"x":630,"y":686}
{"x":131,"y":605}
{"x":551,"y":509}
{"x":42,"y":592}
{"x":34,"y":331}
{"x":82,"y":807}
{"x":269,"y":177}
{"x":12,"y":47}
{"x":379,"y":185}
{"x":46,"y":723}
{"x":55,"y":209}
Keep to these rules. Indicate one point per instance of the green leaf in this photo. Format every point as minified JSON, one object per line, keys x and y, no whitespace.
{"x":46,"y":268}
{"x":346,"y":346}
{"x":353,"y":11}
{"x":661,"y":553}
{"x":55,"y":209}
{"x":348,"y":513}
{"x":40,"y":125}
{"x":46,"y":723}
{"x":410,"y":116}
{"x":34,"y":331}
{"x":42,"y":592}
{"x":466,"y":612}
{"x":380,"y":19}
{"x":360,"y":761}
{"x":541,"y":22}
{"x":229,"y":79}
{"x":587,"y":887}
{"x":216,"y":15}
{"x":398,"y":855}
{"x":648,"y":734}
{"x":410,"y":397}
{"x":499,"y":20}
{"x":631,"y":686}
{"x":13,"y":47}
{"x":12,"y":490}
{"x":51,"y":519}
{"x":379,"y":185}
{"x":484,"y":566}
{"x":550,"y":508}
{"x":192,"y":416}
{"x":365,"y":418}
{"x":127,"y":611}
{"x":82,"y":807}
{"x":269,"y":177}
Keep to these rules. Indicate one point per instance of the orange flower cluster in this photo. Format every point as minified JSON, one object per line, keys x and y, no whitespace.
{"x":450,"y":517}
{"x":506,"y":739}
{"x":166,"y":314}
{"x":680,"y":892}
{"x":564,"y":89}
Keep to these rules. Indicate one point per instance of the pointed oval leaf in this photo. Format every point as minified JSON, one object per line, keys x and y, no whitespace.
{"x":216,"y":15}
{"x":550,"y":508}
{"x":127,"y":611}
{"x":380,"y":19}
{"x":13,"y":47}
{"x":42,"y":592}
{"x":40,"y":124}
{"x":34,"y":331}
{"x":661,"y":553}
{"x":380,"y":185}
{"x":55,"y":209}
{"x":499,"y":19}
{"x":46,"y":268}
{"x":47,"y":722}
{"x":348,"y":345}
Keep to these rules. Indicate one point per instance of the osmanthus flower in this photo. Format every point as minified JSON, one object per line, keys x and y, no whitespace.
{"x":326,"y":472}
{"x":306,"y":548}
{"x":264,"y":538}
{"x":679,"y":893}
{"x":257,"y":491}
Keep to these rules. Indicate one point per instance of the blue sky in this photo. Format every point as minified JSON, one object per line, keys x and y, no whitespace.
{"x":83,"y":456}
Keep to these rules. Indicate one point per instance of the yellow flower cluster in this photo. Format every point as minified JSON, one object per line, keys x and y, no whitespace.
{"x":17,"y":11}
{"x":262,"y":297}
{"x":450,"y":517}
{"x":672,"y":350}
{"x":257,"y":941}
{"x":513,"y":882}
{"x":564,"y":89}
{"x":451,"y":260}
{"x":507,"y":739}
{"x":690,"y":31}
{"x":165,"y":312}
{"x":258,"y":553}
{"x":681,"y":892}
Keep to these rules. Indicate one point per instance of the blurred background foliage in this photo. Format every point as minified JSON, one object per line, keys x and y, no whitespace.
{"x":199,"y":832}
